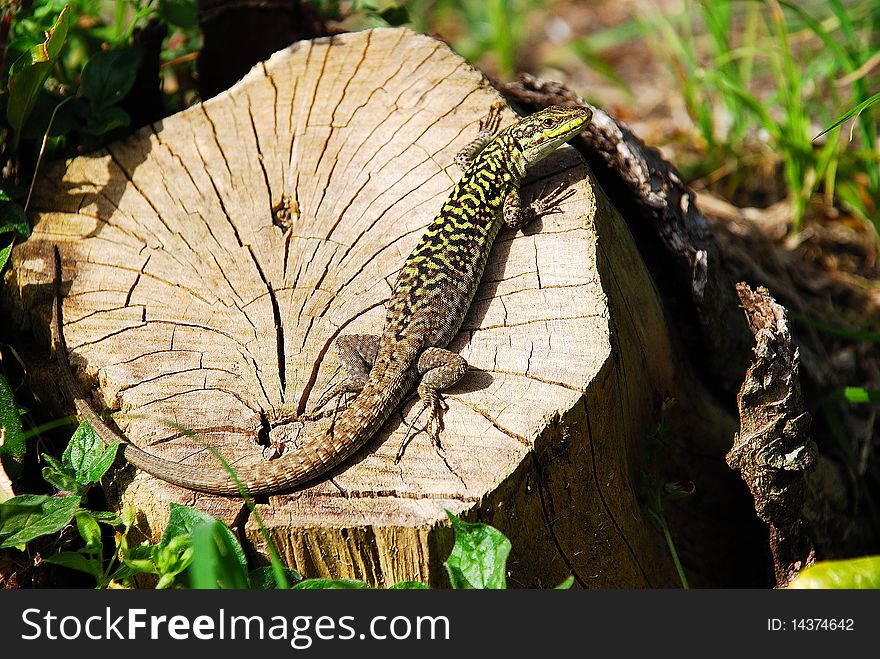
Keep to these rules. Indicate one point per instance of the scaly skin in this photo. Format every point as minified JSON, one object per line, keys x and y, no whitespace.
{"x":433,"y":292}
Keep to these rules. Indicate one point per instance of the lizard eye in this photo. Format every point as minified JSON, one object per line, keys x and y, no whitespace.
{"x":548,"y":122}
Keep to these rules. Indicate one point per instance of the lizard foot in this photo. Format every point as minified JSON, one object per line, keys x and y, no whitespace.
{"x":489,"y":127}
{"x":340,"y":393}
{"x":551,"y":202}
{"x":434,"y":426}
{"x":440,"y":370}
{"x":357,"y":352}
{"x":281,"y":415}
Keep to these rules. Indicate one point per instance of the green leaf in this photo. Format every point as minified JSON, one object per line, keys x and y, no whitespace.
{"x":12,"y":218}
{"x":853,"y":573}
{"x":410,"y":585}
{"x":76,"y":561}
{"x":72,"y":112}
{"x":264,"y":577}
{"x":109,"y":76}
{"x":13,"y":447}
{"x":860,"y":395}
{"x":4,"y":254}
{"x":28,"y":73}
{"x":332,"y":584}
{"x":106,"y":119}
{"x":107,"y":517}
{"x":52,"y":462}
{"x":136,"y":566}
{"x":10,"y":509}
{"x":168,"y":561}
{"x":173,"y":560}
{"x":29,"y":516}
{"x":62,"y":479}
{"x":177,"y":550}
{"x":395,"y":15}
{"x":86,"y":457}
{"x":182,"y":521}
{"x":565,"y":585}
{"x":90,"y":531}
{"x":180,"y":13}
{"x":218,"y":560}
{"x":11,"y":191}
{"x":137,"y":560}
{"x":479,"y":555}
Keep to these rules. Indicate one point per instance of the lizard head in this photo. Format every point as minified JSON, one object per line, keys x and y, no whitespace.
{"x":539,"y":134}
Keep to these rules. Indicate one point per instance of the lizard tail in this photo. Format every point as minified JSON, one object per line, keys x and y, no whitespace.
{"x":317,"y":455}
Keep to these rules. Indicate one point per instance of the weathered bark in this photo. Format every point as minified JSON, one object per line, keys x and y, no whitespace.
{"x":691,"y":273}
{"x":772,"y":450}
{"x":210,"y":261}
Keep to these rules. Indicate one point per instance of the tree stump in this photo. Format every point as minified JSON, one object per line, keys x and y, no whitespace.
{"x":211,"y":259}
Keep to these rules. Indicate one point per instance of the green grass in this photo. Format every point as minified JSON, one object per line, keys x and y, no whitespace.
{"x":765,"y":77}
{"x":655,"y":493}
{"x":760,"y":78}
{"x":489,"y":33}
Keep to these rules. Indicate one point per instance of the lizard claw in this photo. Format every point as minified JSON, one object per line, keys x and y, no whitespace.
{"x":406,"y":438}
{"x":280,"y":415}
{"x":551,"y":203}
{"x":492,"y":121}
{"x":434,"y":425}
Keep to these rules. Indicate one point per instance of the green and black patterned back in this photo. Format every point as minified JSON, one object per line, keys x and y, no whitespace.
{"x":437,"y":282}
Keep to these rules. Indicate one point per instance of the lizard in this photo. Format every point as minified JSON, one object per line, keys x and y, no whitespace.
{"x":430,"y":297}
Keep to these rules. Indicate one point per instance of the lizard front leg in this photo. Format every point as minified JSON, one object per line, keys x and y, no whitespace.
{"x":517,"y":215}
{"x":489,"y":126}
{"x":440,"y":369}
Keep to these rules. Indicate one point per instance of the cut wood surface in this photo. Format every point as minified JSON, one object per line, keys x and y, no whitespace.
{"x":211,"y":259}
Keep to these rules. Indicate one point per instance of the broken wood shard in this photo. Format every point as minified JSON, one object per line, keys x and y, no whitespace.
{"x":772,"y":450}
{"x":212,"y":259}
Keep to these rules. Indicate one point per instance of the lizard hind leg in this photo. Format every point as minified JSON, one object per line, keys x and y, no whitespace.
{"x":440,"y":369}
{"x":357,"y":353}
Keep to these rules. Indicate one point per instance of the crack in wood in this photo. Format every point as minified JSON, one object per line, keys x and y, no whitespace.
{"x":533,"y":321}
{"x":340,"y":98}
{"x":442,"y":455}
{"x":550,"y":525}
{"x":271,"y":82}
{"x":280,"y":354}
{"x":130,"y":178}
{"x":260,"y":157}
{"x":492,"y":420}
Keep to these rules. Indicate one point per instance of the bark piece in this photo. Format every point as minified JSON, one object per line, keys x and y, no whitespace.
{"x":772,"y":450}
{"x":211,"y":259}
